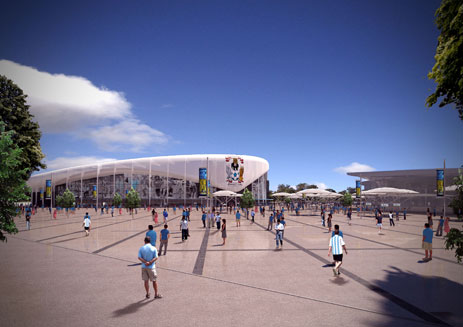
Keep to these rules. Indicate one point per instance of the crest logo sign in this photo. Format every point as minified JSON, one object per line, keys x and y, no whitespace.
{"x":235,"y":170}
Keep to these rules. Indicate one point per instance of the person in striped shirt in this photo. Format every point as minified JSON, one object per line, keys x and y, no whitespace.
{"x":337,"y":245}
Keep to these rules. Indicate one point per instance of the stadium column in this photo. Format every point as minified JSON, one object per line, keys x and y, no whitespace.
{"x":167,"y":186}
{"x":81,"y":186}
{"x":149,"y":186}
{"x":97,"y":184}
{"x":114,"y":180}
{"x":184,"y":184}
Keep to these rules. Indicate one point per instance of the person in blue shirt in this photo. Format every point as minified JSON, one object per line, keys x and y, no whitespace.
{"x":203,"y":219}
{"x":336,"y":228}
{"x":165,"y":234}
{"x":151,"y":233}
{"x":238,"y":218}
{"x":427,"y":242}
{"x":270,"y":222}
{"x":440,"y":226}
{"x":165,"y":214}
{"x":148,"y":256}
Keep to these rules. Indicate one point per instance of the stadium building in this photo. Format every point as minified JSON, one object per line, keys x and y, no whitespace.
{"x":160,"y":181}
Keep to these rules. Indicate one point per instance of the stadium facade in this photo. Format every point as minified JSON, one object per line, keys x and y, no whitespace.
{"x":160,"y":181}
{"x":422,"y":181}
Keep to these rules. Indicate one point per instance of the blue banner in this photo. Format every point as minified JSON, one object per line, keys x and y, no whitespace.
{"x":94,"y":191}
{"x":202,"y":182}
{"x":48,"y":189}
{"x":440,"y":182}
{"x":358,"y":189}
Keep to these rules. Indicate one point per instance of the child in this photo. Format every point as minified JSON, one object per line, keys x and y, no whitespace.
{"x":427,"y":242}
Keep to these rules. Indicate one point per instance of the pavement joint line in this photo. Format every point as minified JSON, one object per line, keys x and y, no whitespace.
{"x":51,"y":226}
{"x":378,"y":290}
{"x":201,"y":258}
{"x":98,"y":227}
{"x":237,"y":283}
{"x":130,"y":237}
{"x":381,"y":243}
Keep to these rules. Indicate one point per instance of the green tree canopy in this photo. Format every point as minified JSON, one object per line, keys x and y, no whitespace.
{"x":14,"y":112}
{"x":457,"y":201}
{"x":12,"y":180}
{"x":346,"y":200}
{"x":285,"y":188}
{"x":448,"y":69}
{"x":133,"y":200}
{"x":454,"y":240}
{"x":247,"y":200}
{"x":117,"y":200}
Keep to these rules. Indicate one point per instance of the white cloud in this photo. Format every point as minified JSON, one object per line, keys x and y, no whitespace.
{"x":69,"y":104}
{"x":321,"y":186}
{"x":129,"y":135}
{"x":354,"y":167}
{"x":66,"y":162}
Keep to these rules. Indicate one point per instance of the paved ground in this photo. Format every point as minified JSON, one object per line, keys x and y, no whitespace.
{"x":53,"y":275}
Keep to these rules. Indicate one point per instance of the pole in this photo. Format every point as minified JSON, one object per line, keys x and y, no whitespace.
{"x":81,"y":188}
{"x":97,"y":186}
{"x":444,"y":188}
{"x":149,"y":187}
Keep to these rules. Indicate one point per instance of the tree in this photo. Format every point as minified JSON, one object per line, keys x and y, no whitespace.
{"x":454,"y":239}
{"x":330,"y":190}
{"x":133,"y":200}
{"x":247,"y":200}
{"x":117,"y":200}
{"x":448,"y":69}
{"x":59,"y":201}
{"x":346,"y":200}
{"x":457,"y":201}
{"x":68,"y":200}
{"x":304,"y":186}
{"x":12,"y":180}
{"x":285,"y":188}
{"x":14,"y":112}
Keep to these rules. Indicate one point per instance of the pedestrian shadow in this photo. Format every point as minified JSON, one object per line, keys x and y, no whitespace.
{"x":217,"y":245}
{"x":131,"y":308}
{"x":328,"y":265}
{"x":424,"y":299}
{"x":338,"y":281}
{"x":134,"y":264}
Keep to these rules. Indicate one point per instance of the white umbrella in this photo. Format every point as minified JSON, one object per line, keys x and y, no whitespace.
{"x":311,"y":191}
{"x":281,"y":194}
{"x":295,"y":196}
{"x":224,"y":193}
{"x":388,"y":191}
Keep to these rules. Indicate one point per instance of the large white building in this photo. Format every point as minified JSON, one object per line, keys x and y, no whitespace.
{"x":160,"y":181}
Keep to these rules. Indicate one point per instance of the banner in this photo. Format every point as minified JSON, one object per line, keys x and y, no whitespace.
{"x":208,"y":188}
{"x":440,"y":182}
{"x":41,"y":194}
{"x":48,"y":189}
{"x":94,"y":191}
{"x":202,"y":181}
{"x":357,"y":189}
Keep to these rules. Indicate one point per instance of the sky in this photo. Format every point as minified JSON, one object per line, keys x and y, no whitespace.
{"x":317,"y":88}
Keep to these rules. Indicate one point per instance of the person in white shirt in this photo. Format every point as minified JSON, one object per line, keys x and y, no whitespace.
{"x":86,"y":224}
{"x":217,"y":221}
{"x":391,"y":219}
{"x":279,"y":228}
{"x":184,"y":228}
{"x":337,"y":245}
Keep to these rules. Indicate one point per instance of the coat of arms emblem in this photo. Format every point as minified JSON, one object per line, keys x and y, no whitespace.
{"x":234,"y":169}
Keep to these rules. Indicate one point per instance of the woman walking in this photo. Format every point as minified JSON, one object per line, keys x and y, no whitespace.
{"x":224,"y":230}
{"x":330,"y":216}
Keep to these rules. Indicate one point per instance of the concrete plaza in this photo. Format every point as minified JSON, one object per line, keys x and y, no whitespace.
{"x":53,"y":275}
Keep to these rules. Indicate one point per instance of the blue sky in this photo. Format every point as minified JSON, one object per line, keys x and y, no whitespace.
{"x":311,"y":86}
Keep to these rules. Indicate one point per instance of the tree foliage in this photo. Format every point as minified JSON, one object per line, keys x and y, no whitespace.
{"x":14,"y":112}
{"x":133,"y":200}
{"x":247,"y":200}
{"x":285,"y":188}
{"x":448,"y":69}
{"x":304,"y":186}
{"x":346,"y":200}
{"x":454,"y":240}
{"x":12,"y":180}
{"x":117,"y":200}
{"x":457,"y":201}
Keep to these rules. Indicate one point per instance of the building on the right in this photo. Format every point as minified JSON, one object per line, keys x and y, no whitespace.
{"x":423,"y":181}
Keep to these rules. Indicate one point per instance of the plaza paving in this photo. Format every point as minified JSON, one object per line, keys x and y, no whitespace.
{"x":53,"y":275}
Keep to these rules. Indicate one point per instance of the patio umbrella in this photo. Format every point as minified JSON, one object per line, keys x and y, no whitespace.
{"x":224,"y":193}
{"x":388,"y":191}
{"x":282,"y":194}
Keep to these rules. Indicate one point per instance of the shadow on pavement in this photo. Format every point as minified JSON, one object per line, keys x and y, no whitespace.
{"x":131,"y":308}
{"x":429,"y":299}
{"x":134,"y":264}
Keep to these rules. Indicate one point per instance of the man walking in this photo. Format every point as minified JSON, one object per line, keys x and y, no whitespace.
{"x":391,"y":219}
{"x":279,"y":228}
{"x":151,"y":233}
{"x":252,"y":215}
{"x":337,"y":245}
{"x":86,"y":224}
{"x":184,"y":229}
{"x":440,"y":226}
{"x":427,"y":242}
{"x":148,"y":256}
{"x":270,"y":222}
{"x":165,"y":214}
{"x":28,"y":218}
{"x":165,"y":235}
{"x":217,"y":221}
{"x":379,"y":221}
{"x":238,"y":218}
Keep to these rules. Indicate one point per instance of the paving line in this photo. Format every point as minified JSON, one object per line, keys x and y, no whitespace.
{"x":389,"y":296}
{"x":130,"y":237}
{"x":246,"y":285}
{"x":200,"y":259}
{"x":381,"y":243}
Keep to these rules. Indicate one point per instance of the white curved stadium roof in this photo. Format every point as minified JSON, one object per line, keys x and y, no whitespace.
{"x":221,"y":172}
